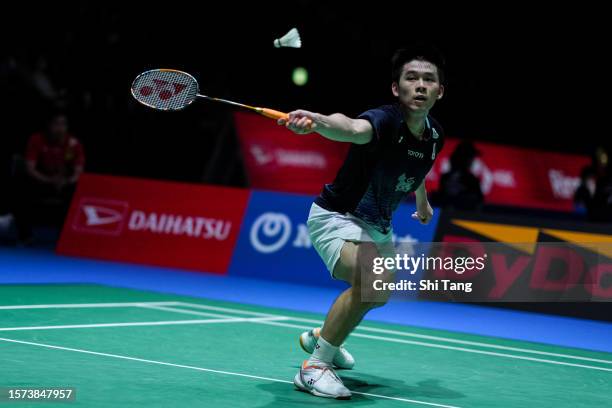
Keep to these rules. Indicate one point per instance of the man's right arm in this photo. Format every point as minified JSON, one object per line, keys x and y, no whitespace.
{"x":337,"y":127}
{"x":31,"y":156}
{"x":35,"y":174}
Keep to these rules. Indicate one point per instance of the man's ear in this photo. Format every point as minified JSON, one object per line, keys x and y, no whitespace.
{"x":441,"y":92}
{"x":395,"y":89}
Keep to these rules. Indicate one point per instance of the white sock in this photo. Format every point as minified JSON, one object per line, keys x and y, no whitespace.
{"x":323,"y":354}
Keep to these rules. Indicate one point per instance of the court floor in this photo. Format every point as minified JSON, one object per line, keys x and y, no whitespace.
{"x":130,"y":348}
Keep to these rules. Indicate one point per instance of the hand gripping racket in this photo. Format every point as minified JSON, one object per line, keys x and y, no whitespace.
{"x":172,"y":90}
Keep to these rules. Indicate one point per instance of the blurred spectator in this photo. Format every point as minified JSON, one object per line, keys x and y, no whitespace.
{"x":583,"y":197}
{"x":54,"y":160}
{"x":40,"y":81}
{"x":459,"y":188}
{"x":6,"y":217}
{"x":601,"y":208}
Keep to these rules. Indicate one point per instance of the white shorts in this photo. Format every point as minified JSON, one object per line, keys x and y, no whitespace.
{"x":329,"y":231}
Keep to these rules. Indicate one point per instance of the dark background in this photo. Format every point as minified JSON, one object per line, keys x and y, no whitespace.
{"x":516,"y":75}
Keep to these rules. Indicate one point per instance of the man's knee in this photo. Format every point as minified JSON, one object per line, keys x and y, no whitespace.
{"x":367,"y":298}
{"x":355,"y":266}
{"x":374,"y":289}
{"x":374,"y":299}
{"x":347,"y":267}
{"x":369,"y":305}
{"x":356,"y":262}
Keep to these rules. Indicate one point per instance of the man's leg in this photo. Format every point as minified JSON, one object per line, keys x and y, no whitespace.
{"x":354,"y":266}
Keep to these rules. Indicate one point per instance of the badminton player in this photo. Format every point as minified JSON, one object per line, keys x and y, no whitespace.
{"x":393,"y":147}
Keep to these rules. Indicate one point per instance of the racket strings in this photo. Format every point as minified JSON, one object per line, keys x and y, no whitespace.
{"x":165,"y":89}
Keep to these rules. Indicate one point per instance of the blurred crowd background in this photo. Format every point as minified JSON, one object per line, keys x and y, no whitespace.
{"x":516,"y":77}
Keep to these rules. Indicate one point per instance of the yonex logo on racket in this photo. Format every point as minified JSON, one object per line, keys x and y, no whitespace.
{"x":164,"y":89}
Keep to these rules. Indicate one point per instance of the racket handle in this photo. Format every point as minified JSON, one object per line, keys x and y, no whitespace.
{"x":274,"y":114}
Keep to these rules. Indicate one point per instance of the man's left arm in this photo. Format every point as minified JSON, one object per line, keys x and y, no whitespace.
{"x":78,"y":170}
{"x":79,"y":163}
{"x":424,"y":212}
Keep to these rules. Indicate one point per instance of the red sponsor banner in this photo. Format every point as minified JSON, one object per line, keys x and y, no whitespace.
{"x":278,"y":159}
{"x":153,"y":222}
{"x":519,"y":177}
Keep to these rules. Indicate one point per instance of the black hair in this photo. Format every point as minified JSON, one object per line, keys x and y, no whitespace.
{"x":421,"y":52}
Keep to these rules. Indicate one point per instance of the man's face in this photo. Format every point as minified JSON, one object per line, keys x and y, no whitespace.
{"x":419,"y":86}
{"x":601,"y":157}
{"x":58,"y":128}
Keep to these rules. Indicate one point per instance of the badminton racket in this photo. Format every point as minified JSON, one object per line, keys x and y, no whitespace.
{"x":173,"y":90}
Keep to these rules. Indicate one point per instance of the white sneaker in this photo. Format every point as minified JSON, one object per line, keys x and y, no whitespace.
{"x":343,"y":359}
{"x":321,"y":381}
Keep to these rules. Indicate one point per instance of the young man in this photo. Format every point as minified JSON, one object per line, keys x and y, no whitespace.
{"x":54,"y":161}
{"x":393,"y":148}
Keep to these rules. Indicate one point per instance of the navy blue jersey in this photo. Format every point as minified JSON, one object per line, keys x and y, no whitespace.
{"x":376,"y":176}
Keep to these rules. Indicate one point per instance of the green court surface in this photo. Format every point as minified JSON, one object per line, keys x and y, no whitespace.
{"x":126,"y":348}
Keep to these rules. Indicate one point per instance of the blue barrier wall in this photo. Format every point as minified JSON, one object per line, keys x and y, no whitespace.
{"x":274,"y":242}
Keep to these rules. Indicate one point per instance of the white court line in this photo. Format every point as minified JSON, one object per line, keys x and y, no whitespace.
{"x":418,"y":343}
{"x":475,"y":343}
{"x":130,"y":324}
{"x":222,"y":316}
{"x":422,"y":336}
{"x":222,"y":309}
{"x":441,"y":346}
{"x":317,"y":322}
{"x":86,"y":305}
{"x":211,"y":370}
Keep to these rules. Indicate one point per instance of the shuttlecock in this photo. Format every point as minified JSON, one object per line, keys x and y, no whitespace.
{"x":291,"y":39}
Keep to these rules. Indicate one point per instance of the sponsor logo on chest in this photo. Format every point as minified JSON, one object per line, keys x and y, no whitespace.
{"x":421,"y":155}
{"x":417,"y":155}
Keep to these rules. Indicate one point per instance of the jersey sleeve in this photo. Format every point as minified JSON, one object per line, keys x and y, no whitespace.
{"x":79,"y":155}
{"x":381,"y":120}
{"x":33,"y":148}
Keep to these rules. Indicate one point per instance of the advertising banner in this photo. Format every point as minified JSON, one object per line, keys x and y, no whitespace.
{"x":153,"y":222}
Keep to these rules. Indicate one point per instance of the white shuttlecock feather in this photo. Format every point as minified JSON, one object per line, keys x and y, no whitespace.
{"x":291,"y":39}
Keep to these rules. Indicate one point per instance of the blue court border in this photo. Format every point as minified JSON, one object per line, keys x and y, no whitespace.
{"x":28,"y":266}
